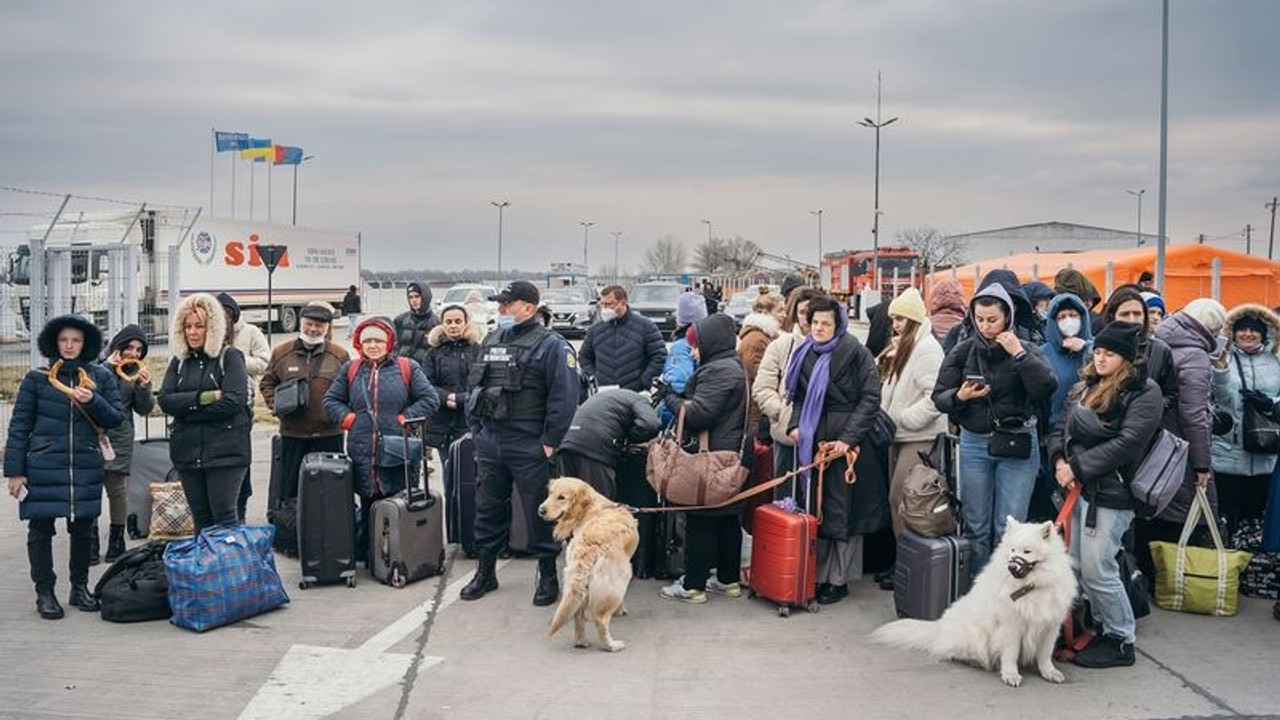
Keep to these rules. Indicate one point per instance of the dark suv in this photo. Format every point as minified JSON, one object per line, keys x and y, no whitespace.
{"x":656,"y":301}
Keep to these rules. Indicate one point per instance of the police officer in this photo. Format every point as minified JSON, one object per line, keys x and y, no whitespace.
{"x":524,"y":394}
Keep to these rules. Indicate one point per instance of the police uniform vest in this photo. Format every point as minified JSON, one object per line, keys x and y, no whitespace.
{"x":506,"y":386}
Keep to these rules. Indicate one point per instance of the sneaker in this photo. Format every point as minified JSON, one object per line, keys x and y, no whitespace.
{"x":676,"y":591}
{"x":1105,"y":652}
{"x":719,"y":588}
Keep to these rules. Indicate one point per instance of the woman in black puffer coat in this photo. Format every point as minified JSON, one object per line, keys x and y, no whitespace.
{"x":714,"y":400}
{"x":454,"y":345}
{"x":53,"y":458}
{"x":206,"y":392}
{"x":1104,"y":433}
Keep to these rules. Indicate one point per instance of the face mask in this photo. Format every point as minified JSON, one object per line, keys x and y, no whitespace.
{"x":310,"y":341}
{"x":1044,"y":314}
{"x":607,"y":314}
{"x":505,"y":322}
{"x":1069,"y":326}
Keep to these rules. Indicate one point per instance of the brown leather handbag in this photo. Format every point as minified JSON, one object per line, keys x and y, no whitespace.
{"x":706,"y":477}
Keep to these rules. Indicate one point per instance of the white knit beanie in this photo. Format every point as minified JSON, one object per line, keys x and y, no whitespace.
{"x":1208,"y":312}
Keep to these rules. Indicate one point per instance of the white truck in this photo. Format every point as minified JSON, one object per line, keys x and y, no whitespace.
{"x":213,"y":255}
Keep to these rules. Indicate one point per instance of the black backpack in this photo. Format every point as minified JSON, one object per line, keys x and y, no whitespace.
{"x":135,"y":588}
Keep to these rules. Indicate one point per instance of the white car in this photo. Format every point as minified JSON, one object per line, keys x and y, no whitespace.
{"x":457,"y":295}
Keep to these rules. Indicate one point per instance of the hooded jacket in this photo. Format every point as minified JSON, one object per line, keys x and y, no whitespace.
{"x":1070,"y":280}
{"x":907,"y":397}
{"x":1191,"y":345}
{"x":758,"y":330}
{"x":946,"y":307}
{"x":134,"y":398}
{"x":1261,"y":373}
{"x":51,"y":443}
{"x":412,"y":328}
{"x":1026,"y":324}
{"x":372,"y":405}
{"x":320,"y":364}
{"x":215,"y":433}
{"x":1105,"y":449}
{"x":605,"y":424}
{"x":627,"y":351}
{"x":1065,"y":363}
{"x":447,"y":365}
{"x":1016,"y":383}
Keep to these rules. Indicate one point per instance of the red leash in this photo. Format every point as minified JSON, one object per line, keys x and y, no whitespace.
{"x":1073,"y":642}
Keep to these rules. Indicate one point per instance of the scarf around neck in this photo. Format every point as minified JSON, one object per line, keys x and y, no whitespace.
{"x":816,"y":392}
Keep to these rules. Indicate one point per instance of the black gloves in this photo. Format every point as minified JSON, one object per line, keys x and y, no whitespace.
{"x":658,"y":391}
{"x":1258,"y":401}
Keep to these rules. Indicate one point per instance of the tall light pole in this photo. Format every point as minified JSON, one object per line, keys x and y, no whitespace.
{"x":501,"y":205}
{"x":295,"y":186}
{"x":1164,"y":140}
{"x":818,"y":212}
{"x":1271,"y":242}
{"x":586,"y":230}
{"x":1138,"y":194}
{"x":617,"y":240}
{"x":708,"y":224}
{"x":875,"y":228}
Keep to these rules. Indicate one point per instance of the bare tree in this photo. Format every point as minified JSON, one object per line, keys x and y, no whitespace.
{"x":666,"y":255}
{"x":936,"y":249}
{"x":725,"y":255}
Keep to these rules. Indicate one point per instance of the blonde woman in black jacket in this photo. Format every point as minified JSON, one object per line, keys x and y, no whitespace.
{"x":1111,"y":417}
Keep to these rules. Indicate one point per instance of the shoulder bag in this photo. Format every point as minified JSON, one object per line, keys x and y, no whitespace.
{"x":1160,"y":474}
{"x":1010,"y":437}
{"x":1260,"y":433}
{"x":706,"y":477}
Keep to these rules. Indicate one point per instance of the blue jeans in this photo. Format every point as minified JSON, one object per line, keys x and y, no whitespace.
{"x":1095,"y":550}
{"x":992,"y":489}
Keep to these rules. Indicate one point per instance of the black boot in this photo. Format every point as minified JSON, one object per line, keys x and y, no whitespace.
{"x":83,"y":599}
{"x":47,"y":605}
{"x":1105,"y":652}
{"x":485,"y":580}
{"x":95,"y":550}
{"x":548,"y":590}
{"x":115,"y":543}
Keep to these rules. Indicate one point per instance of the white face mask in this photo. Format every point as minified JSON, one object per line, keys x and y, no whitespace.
{"x":310,"y":341}
{"x":1069,"y":327}
{"x":607,"y":314}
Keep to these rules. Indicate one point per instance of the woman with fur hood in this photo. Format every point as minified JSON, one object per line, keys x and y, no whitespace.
{"x":53,"y":458}
{"x":908,"y":370}
{"x":371,"y":397}
{"x":206,"y":392}
{"x":1247,"y":375}
{"x":759,"y":328}
{"x":453,"y":345}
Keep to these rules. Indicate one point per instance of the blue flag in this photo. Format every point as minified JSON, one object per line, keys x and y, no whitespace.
{"x":255,"y":143}
{"x":229,"y":141}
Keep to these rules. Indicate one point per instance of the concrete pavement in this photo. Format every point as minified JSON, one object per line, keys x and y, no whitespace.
{"x":375,"y":652}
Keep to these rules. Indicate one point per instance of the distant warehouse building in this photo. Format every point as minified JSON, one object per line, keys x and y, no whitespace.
{"x":1049,"y":237}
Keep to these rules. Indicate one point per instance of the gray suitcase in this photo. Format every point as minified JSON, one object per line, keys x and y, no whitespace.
{"x":326,"y":520}
{"x":930,"y":574}
{"x":406,"y":535}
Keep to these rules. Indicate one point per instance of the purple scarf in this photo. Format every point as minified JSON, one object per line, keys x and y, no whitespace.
{"x":816,"y":393}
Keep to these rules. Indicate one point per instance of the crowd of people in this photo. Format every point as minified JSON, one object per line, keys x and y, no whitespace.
{"x":1046,"y":387}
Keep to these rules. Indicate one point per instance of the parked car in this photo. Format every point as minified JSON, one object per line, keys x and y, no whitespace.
{"x":657,"y":301}
{"x":457,"y":295}
{"x":739,"y":306}
{"x":573,"y":308}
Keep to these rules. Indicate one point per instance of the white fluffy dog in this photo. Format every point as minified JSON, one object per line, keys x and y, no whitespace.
{"x":1012,"y":614}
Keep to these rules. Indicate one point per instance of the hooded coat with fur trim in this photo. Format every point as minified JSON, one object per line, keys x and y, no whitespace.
{"x":370,"y":406}
{"x":1261,"y":373}
{"x":758,"y":330}
{"x":212,"y":434}
{"x":447,"y":364}
{"x":51,"y":443}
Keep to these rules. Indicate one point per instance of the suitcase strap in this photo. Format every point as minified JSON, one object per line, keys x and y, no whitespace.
{"x":820,"y":463}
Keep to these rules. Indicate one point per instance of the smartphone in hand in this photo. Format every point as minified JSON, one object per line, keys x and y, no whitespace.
{"x":976,"y":380}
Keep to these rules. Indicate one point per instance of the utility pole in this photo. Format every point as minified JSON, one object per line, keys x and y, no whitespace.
{"x":1271,"y":240}
{"x":1164,"y":141}
{"x":617,"y":240}
{"x":818,"y":213}
{"x":1138,"y":194}
{"x":501,"y":206}
{"x":586,"y":229}
{"x":1248,"y":239}
{"x":1201,"y":238}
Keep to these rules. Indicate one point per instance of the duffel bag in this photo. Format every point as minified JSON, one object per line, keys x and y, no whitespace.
{"x":135,"y":588}
{"x":222,"y":575}
{"x":1195,"y":579}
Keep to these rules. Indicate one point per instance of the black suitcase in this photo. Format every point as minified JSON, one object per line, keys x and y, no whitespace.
{"x":461,"y":478}
{"x":326,"y":522}
{"x":150,"y":464}
{"x":282,"y":503}
{"x":930,"y":574}
{"x":660,"y":554}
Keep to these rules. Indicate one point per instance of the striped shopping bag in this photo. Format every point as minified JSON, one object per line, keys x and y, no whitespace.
{"x":222,"y":575}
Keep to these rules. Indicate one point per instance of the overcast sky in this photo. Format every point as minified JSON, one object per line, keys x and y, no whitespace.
{"x":648,"y":118}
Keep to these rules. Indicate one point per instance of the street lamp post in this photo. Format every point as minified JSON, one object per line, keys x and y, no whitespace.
{"x":818,"y":213}
{"x":501,"y":206}
{"x":708,"y":224}
{"x":295,"y":186}
{"x":617,"y":239}
{"x":1138,"y":194}
{"x":875,"y":228}
{"x":586,"y":230}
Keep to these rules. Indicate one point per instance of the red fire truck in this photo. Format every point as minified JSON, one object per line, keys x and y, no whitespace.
{"x":849,"y":272}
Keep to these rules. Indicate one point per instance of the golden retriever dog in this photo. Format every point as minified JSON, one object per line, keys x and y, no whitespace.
{"x":602,"y":536}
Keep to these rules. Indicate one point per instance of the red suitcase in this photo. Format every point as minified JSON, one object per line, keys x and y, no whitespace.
{"x":761,"y":472}
{"x":784,"y":558}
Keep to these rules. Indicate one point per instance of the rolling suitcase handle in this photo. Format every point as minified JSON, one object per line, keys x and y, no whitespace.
{"x":417,"y":423}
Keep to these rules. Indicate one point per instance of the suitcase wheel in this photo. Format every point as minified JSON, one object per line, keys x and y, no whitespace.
{"x":303,"y":585}
{"x":397,"y":579}
{"x":813,"y":606}
{"x":351,"y":581}
{"x":784,"y":611}
{"x":752,"y":593}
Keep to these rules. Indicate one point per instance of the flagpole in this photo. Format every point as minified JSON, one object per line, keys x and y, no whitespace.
{"x":233,"y":184}
{"x":213,"y":157}
{"x":270,"y":171}
{"x":252,"y":175}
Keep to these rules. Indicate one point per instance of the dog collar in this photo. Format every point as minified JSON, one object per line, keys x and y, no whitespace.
{"x":1016,"y":595}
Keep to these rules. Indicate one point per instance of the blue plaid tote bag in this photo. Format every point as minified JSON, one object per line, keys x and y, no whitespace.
{"x":222,"y":575}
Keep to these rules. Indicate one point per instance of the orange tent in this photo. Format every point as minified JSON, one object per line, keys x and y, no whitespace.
{"x":1188,"y":272}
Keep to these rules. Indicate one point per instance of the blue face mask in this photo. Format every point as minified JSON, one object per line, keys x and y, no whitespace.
{"x":506,"y":322}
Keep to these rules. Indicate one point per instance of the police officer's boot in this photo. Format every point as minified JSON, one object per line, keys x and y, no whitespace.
{"x":548,"y":584}
{"x":486,"y":578}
